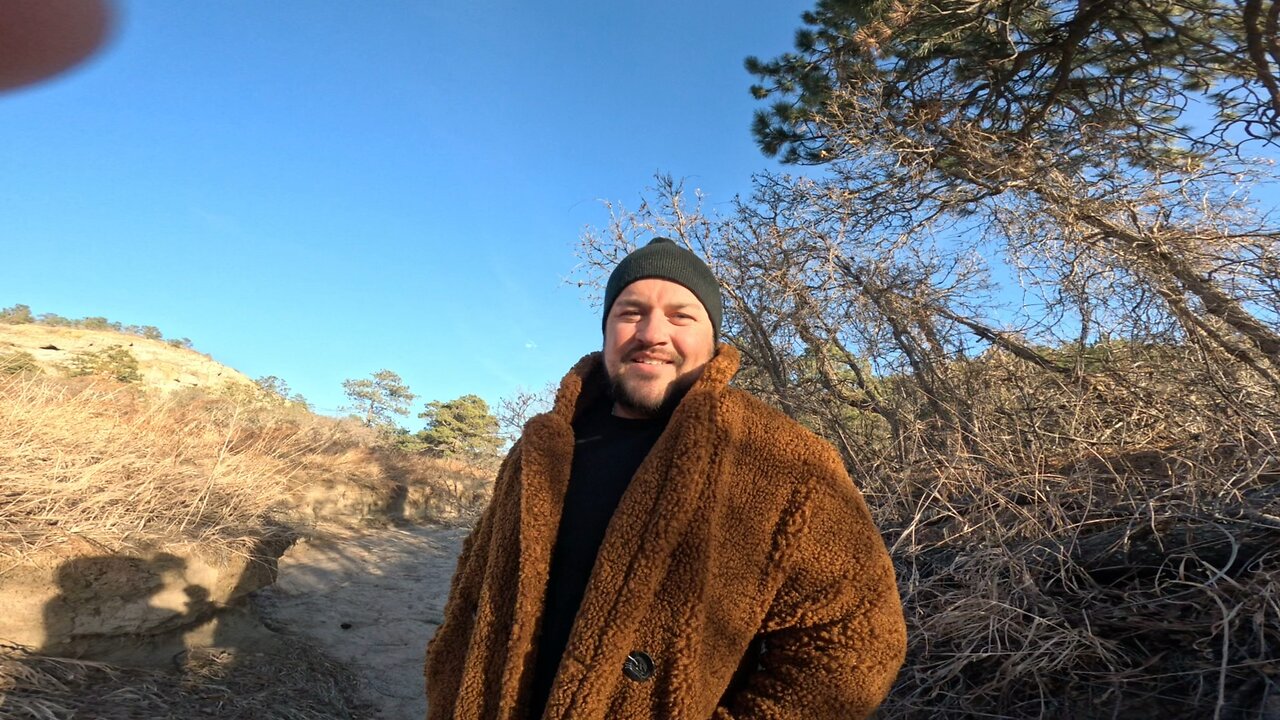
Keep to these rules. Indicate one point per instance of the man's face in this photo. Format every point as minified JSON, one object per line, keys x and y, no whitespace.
{"x":657,"y":339}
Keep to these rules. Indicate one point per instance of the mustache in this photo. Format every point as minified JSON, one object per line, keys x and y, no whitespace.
{"x":647,"y":355}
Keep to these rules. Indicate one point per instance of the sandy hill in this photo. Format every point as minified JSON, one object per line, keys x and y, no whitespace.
{"x":139,"y":529}
{"x":162,"y":366}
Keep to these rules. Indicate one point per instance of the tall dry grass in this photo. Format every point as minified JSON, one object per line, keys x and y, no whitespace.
{"x":293,"y":683}
{"x":105,"y":462}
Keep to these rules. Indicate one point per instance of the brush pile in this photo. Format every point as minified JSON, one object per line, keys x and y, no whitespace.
{"x":1108,"y":547}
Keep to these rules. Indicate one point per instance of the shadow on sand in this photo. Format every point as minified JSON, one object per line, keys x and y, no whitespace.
{"x":132,"y":637}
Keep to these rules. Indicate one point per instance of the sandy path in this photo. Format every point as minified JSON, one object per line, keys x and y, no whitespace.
{"x":370,"y":599}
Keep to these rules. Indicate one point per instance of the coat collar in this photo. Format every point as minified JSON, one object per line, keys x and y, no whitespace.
{"x":650,"y":520}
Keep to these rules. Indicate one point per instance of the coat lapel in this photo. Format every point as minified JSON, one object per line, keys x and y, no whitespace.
{"x":545,"y":461}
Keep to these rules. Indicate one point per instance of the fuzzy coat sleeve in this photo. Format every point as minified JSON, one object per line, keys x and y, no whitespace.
{"x":834,"y":635}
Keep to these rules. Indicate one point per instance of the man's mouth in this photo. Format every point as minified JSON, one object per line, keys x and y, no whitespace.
{"x":650,"y":361}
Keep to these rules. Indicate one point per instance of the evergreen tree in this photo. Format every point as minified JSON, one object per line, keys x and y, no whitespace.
{"x":376,"y":399}
{"x":463,"y":427}
{"x":1063,"y":72}
{"x":1067,"y":133}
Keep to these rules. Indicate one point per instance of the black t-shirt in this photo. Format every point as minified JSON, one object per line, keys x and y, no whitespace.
{"x":607,"y":451}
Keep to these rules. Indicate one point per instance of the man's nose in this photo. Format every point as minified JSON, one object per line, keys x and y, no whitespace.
{"x":652,"y":330}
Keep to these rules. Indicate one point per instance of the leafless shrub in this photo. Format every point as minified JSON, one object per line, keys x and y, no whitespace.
{"x":1079,"y":489}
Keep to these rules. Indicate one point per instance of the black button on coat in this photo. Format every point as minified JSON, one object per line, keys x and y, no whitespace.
{"x":638,"y":666}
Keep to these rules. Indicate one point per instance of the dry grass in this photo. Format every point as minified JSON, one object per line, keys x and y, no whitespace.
{"x":1097,"y":549}
{"x":105,"y":462}
{"x":297,"y":684}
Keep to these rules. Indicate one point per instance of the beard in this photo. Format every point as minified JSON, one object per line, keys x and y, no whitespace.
{"x":649,"y":407}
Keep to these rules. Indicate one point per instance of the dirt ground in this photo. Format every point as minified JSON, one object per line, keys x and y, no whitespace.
{"x":370,"y":599}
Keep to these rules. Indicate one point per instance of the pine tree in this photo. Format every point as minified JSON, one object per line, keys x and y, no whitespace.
{"x":463,"y":427}
{"x":378,"y":398}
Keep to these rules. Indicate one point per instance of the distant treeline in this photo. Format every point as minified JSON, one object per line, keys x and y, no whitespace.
{"x":21,"y":315}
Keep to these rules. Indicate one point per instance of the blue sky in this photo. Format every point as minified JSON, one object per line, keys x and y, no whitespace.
{"x":318,"y":190}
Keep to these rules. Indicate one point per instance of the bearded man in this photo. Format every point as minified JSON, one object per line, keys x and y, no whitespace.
{"x":661,"y":545}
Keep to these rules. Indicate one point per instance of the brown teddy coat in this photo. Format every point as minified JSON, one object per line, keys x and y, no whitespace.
{"x":739,"y":525}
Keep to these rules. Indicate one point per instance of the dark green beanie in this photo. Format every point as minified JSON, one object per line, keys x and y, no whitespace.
{"x":664,"y":259}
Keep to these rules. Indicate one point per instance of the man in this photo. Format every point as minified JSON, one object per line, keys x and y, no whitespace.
{"x":660,"y":545}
